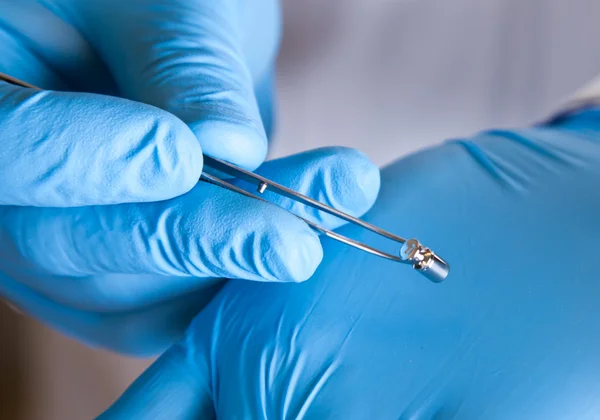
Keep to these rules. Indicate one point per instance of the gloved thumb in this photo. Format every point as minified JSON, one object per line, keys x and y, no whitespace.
{"x":186,"y":58}
{"x":177,"y":386}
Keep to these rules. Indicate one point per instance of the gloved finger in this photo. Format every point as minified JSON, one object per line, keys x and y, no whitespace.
{"x":339,"y":177}
{"x":176,"y":386}
{"x":259,"y":35}
{"x":184,"y":57}
{"x":343,"y":178}
{"x":68,"y":149}
{"x":208,"y":232}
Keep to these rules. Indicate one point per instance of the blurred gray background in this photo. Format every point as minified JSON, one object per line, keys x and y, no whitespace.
{"x":385,"y":76}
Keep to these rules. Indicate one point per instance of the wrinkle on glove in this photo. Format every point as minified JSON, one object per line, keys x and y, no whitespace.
{"x":511,"y":334}
{"x":65,"y":150}
{"x":125,"y":260}
{"x":209,"y":65}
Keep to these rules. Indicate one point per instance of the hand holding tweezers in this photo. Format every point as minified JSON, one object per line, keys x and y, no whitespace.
{"x":412,"y":251}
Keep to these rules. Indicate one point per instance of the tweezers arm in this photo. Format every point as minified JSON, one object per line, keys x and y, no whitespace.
{"x":263,"y":184}
{"x":17,"y":82}
{"x":334,"y":235}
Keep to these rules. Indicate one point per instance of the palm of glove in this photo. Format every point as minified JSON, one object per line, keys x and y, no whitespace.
{"x":512,"y":333}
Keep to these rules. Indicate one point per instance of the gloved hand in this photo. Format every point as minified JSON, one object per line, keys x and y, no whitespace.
{"x":103,"y":274}
{"x":130,"y":277}
{"x":511,"y":334}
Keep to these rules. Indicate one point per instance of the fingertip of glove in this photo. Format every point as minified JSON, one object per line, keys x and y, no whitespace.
{"x":243,"y":144}
{"x":366,"y":176}
{"x":292,"y":255}
{"x":350,"y":179}
{"x":176,"y":157}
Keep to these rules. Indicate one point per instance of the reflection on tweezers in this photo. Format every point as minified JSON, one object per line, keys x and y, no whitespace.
{"x":412,"y":252}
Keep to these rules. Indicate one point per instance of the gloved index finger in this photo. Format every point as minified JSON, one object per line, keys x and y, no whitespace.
{"x":184,"y":57}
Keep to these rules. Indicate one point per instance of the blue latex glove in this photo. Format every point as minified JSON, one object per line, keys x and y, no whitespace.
{"x":202,"y":61}
{"x":109,"y":274}
{"x":511,"y":334}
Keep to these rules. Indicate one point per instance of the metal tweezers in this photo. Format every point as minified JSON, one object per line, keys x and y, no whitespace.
{"x":412,"y":251}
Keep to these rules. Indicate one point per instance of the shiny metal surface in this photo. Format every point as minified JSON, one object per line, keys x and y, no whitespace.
{"x":425,"y":261}
{"x":12,"y":80}
{"x":422,"y":259}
